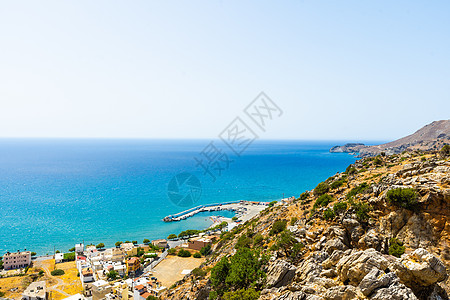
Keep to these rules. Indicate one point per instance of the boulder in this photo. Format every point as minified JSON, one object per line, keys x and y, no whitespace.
{"x":376,"y":279}
{"x":425,"y":268}
{"x":342,"y":292}
{"x":354,"y":267}
{"x":280,"y":273}
{"x":396,"y":291}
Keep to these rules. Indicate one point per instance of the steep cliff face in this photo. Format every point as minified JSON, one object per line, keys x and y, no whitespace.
{"x":381,"y":230}
{"x":430,"y":137}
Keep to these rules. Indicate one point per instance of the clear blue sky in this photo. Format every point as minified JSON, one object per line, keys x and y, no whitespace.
{"x":355,"y":70}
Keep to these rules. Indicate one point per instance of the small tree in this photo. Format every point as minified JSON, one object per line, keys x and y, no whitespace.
{"x":57,"y":251}
{"x":197,"y":255}
{"x":172,"y":236}
{"x":272,"y":203}
{"x":134,"y":242}
{"x":112,"y":275}
{"x":278,"y":226}
{"x":445,"y":151}
{"x":323,"y":200}
{"x":72,"y":249}
{"x":406,"y":198}
{"x":321,"y":189}
{"x":146,"y":241}
{"x":205,"y":250}
{"x":304,"y":196}
{"x":328,"y":214}
{"x":33,"y":253}
{"x":118,"y":244}
{"x":100,"y":246}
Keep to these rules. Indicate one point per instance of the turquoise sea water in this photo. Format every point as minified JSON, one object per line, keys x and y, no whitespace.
{"x":58,"y":192}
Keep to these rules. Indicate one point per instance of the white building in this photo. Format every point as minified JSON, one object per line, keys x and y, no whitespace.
{"x":59,"y":257}
{"x":79,"y":248}
{"x":35,"y":291}
{"x":120,"y":269}
{"x":16,"y":260}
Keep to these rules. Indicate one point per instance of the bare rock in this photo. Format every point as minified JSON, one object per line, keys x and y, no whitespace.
{"x":342,"y":292}
{"x":376,"y":279}
{"x":354,"y":267}
{"x":425,"y":268}
{"x":280,"y":273}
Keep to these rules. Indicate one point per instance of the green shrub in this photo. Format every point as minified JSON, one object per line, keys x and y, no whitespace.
{"x":445,"y":151}
{"x":69,"y":256}
{"x":277,"y":227}
{"x":350,"y":170}
{"x":213,"y":295}
{"x":172,"y":251}
{"x":362,"y":210}
{"x":41,"y":272}
{"x":363,"y":187}
{"x":403,"y":197}
{"x":396,"y":247}
{"x":184,"y":253}
{"x":328,"y":214}
{"x":258,"y":239}
{"x":293,"y":221}
{"x":234,"y":218}
{"x":377,"y":161}
{"x":244,"y":242}
{"x":321,"y":189}
{"x":336,"y":184}
{"x":199,"y":272}
{"x":323,"y":200}
{"x":197,"y":255}
{"x":272,"y":203}
{"x":340,"y":207}
{"x":205,"y":250}
{"x":242,"y":294}
{"x":304,"y":196}
{"x":151,"y":298}
{"x":57,"y":272}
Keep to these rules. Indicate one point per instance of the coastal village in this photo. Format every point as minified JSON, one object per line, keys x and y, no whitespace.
{"x":129,"y":270}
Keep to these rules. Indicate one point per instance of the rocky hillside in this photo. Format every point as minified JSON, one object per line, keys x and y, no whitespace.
{"x":380,"y":230}
{"x":431,"y":137}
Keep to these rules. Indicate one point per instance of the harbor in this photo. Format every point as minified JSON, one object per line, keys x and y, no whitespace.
{"x":241,"y":208}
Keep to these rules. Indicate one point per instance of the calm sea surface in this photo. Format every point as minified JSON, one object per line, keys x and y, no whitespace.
{"x":58,"y":192}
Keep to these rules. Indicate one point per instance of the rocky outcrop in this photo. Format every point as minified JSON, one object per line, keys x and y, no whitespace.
{"x":280,"y":273}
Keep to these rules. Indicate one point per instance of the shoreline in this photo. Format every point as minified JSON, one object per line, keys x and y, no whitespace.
{"x":245,"y":210}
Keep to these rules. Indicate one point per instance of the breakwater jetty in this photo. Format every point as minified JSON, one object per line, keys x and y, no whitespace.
{"x":240,"y":207}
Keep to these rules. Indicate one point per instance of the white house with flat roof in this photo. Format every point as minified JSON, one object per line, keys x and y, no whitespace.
{"x":35,"y":291}
{"x":59,"y":257}
{"x":79,"y":248}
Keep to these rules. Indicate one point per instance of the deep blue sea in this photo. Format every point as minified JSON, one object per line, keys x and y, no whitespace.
{"x":58,"y":192}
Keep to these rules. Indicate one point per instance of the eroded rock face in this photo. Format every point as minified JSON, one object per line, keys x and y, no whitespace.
{"x":352,"y":268}
{"x":280,"y":273}
{"x":342,"y":292}
{"x":395,"y":291}
{"x":376,"y":279}
{"x":425,"y":268}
